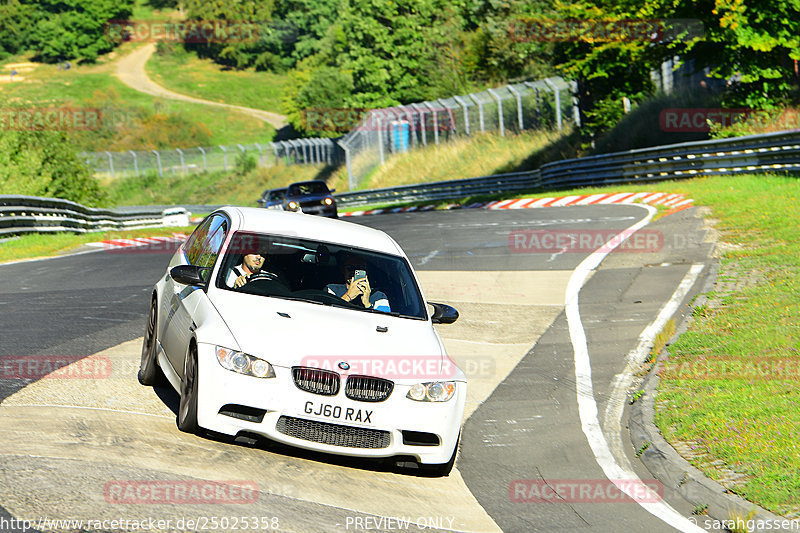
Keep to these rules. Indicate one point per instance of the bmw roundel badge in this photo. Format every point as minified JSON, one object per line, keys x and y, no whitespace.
{"x":344,"y":366}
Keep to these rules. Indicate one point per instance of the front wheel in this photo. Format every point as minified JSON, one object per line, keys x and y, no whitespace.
{"x":187,"y":410}
{"x":149,"y":373}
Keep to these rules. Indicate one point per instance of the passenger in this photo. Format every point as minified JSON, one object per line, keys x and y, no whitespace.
{"x":357,"y":290}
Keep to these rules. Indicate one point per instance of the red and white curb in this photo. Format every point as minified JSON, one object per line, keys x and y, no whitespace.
{"x":113,"y":244}
{"x":676,"y":202}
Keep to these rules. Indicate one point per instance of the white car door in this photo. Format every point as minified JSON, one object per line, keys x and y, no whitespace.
{"x":181,"y":301}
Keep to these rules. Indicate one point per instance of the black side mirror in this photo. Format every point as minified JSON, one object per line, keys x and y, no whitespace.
{"x":191,"y":275}
{"x":443,"y":313}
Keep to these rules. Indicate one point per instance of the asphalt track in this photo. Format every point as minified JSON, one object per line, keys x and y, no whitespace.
{"x":65,"y":439}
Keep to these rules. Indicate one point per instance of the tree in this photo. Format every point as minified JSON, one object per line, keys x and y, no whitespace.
{"x":241,"y":44}
{"x":14,"y":27}
{"x":754,"y":43}
{"x":75,"y":29}
{"x":608,"y":49}
{"x":43,"y":163}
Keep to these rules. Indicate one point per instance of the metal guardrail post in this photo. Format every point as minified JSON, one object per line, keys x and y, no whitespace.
{"x":576,"y":109}
{"x":499,"y":111}
{"x":519,"y":105}
{"x":135,"y":163}
{"x":557,"y":96}
{"x":244,"y":152}
{"x":422,"y":125}
{"x":410,"y":116}
{"x":447,"y":110}
{"x":435,"y":122}
{"x":530,"y":85}
{"x":183,"y":165}
{"x":380,"y":141}
{"x":466,"y":113}
{"x":205,"y":167}
{"x":260,"y":154}
{"x":348,"y":163}
{"x":158,"y":160}
{"x":224,"y":157}
{"x":480,"y":111}
{"x":110,"y":164}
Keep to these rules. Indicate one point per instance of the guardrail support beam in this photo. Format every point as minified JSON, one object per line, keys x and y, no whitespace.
{"x":499,"y":111}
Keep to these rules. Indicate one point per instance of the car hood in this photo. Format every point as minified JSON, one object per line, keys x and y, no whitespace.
{"x":289,"y":333}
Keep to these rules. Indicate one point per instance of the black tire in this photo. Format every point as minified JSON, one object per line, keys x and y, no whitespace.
{"x":149,"y":372}
{"x":187,"y":410}
{"x":443,"y":469}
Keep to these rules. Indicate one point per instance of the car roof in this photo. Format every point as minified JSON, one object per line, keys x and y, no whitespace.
{"x":311,"y":182}
{"x":311,"y":227}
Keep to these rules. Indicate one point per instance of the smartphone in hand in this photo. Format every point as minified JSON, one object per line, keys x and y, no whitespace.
{"x":359,"y":274}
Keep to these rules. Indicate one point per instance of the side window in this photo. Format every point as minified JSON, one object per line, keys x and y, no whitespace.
{"x":194,"y":245}
{"x":217,"y":231}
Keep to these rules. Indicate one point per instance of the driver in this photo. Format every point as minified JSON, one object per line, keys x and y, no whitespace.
{"x":358,"y":291}
{"x":251,"y":264}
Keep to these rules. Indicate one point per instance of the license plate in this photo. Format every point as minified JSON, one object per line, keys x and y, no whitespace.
{"x":338,"y":413}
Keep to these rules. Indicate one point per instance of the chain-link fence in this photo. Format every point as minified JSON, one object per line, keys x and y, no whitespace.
{"x":523,"y":106}
{"x":184,"y":161}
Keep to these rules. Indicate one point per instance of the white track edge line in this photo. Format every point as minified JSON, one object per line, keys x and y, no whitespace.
{"x":587,"y":405}
{"x":616,"y":402}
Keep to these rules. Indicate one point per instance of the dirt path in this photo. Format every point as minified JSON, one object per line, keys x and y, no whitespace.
{"x":130,"y":70}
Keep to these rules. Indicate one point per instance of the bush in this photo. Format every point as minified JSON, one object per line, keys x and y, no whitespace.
{"x":642,"y":127}
{"x":42,"y":163}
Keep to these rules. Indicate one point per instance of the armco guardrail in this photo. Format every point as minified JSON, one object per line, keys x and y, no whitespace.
{"x":440,"y":190}
{"x":769,"y":152}
{"x":32,"y":214}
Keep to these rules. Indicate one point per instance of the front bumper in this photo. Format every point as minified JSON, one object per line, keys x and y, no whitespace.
{"x":282,"y":412}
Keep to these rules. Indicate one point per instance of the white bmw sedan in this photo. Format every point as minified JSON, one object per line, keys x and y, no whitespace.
{"x":307,"y":331}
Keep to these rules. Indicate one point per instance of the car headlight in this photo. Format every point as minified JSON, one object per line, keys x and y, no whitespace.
{"x":328,"y":201}
{"x":243,"y":363}
{"x":434,"y":391}
{"x":293,"y":206}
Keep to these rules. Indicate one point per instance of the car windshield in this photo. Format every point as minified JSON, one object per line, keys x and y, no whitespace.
{"x":313,"y":187}
{"x":320,"y":273}
{"x":276,"y":195}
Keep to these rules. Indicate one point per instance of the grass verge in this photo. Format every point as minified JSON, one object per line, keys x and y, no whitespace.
{"x":96,"y":86}
{"x":479,"y":155}
{"x":730,"y":390}
{"x":183,"y":72}
{"x":206,"y":188}
{"x":48,"y":245}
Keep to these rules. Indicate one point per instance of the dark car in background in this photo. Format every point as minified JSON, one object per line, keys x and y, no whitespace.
{"x":272,"y":198}
{"x":310,"y":197}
